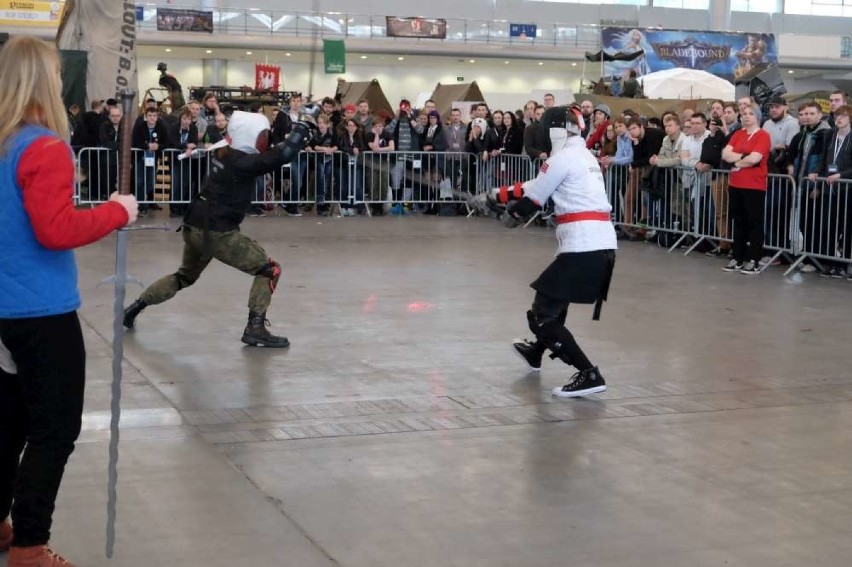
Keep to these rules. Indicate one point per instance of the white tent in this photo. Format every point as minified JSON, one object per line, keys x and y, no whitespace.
{"x":686,"y":83}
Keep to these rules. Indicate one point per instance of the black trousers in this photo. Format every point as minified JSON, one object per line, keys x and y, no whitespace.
{"x":747,"y":209}
{"x":40,"y":418}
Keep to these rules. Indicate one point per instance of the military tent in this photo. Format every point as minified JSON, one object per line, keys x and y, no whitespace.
{"x":445,"y":95}
{"x":352,"y":92}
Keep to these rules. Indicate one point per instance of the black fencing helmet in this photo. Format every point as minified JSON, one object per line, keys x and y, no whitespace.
{"x":557,"y":123}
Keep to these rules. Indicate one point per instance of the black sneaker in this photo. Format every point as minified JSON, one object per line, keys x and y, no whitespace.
{"x":733,"y":266}
{"x":583,"y":383}
{"x":750,"y":268}
{"x":529,"y":351}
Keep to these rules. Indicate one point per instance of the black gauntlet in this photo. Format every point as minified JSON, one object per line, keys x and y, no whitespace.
{"x":295,"y":142}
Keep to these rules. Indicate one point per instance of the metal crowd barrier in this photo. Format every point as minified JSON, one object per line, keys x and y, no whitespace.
{"x":821,"y":230}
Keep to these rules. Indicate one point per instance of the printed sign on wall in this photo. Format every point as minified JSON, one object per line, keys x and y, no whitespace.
{"x":727,"y":55}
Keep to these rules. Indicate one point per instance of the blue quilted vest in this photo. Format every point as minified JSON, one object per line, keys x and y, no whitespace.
{"x":34,"y":281}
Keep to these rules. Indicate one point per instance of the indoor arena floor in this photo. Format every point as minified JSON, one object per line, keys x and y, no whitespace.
{"x":399,"y":430}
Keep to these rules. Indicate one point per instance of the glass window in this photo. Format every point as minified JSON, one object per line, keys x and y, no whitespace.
{"x":819,"y":7}
{"x":766,"y":6}
{"x":627,"y":2}
{"x":687,"y":4}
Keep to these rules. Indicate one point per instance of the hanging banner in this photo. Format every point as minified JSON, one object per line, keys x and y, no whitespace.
{"x":334,"y":53}
{"x":416,"y":27}
{"x":106,"y":30}
{"x":727,"y":55}
{"x":169,"y":19}
{"x":267,"y":77}
{"x":523,"y":31}
{"x":30,"y":13}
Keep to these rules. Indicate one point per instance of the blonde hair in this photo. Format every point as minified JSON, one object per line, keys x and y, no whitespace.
{"x":30,"y":88}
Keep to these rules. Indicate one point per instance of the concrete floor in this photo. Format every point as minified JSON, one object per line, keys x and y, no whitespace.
{"x":399,"y":430}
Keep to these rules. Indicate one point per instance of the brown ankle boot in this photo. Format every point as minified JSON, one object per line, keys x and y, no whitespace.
{"x":36,"y":556}
{"x":5,"y":536}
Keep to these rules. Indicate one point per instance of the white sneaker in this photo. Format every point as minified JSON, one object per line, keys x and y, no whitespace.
{"x":808,"y":269}
{"x":765,"y":260}
{"x":733,"y":266}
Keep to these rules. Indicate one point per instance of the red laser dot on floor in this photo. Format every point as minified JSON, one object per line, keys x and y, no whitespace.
{"x":419,"y":306}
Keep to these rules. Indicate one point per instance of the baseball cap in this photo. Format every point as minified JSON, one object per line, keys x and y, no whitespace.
{"x":777,"y":99}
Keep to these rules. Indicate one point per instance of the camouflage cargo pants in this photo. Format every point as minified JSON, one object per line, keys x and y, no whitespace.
{"x":232,"y":248}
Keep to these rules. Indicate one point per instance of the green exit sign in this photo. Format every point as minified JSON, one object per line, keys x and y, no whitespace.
{"x":460,"y":79}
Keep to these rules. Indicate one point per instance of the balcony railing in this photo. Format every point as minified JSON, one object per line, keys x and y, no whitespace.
{"x":334,"y":25}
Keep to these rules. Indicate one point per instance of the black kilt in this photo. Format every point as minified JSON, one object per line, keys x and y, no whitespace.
{"x":577,"y":277}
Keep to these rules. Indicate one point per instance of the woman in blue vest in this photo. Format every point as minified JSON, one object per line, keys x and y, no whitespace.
{"x":42,"y":356}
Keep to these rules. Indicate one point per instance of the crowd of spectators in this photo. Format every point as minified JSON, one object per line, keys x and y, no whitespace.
{"x":668,"y":171}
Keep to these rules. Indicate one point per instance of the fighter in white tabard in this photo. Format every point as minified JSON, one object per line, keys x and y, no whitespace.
{"x":585,"y":257}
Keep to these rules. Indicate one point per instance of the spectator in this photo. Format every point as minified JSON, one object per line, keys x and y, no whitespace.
{"x":711,"y":159}
{"x":549,"y":101}
{"x":184,"y":139}
{"x":379,"y":142}
{"x":747,"y":152}
{"x":365,"y":119}
{"x":351,"y":144}
{"x":478,"y":144}
{"x":835,"y":101}
{"x":587,"y":108}
{"x":513,"y":135}
{"x":668,"y":158}
{"x":646,"y":143}
{"x":216,"y":131}
{"x":600,"y":121}
{"x":433,"y":140}
{"x":324,"y":144}
{"x":609,"y":145}
{"x":529,"y":112}
{"x":497,"y":124}
{"x":838,"y":173}
{"x":283,"y":125}
{"x":149,"y":138}
{"x":197,"y":117}
{"x":730,"y":123}
{"x":329,"y":108}
{"x":405,"y":132}
{"x":657,"y":124}
{"x":531,"y":136}
{"x":808,"y":149}
{"x":782,"y":128}
{"x":109,"y":138}
{"x":695,"y":181}
{"x":210,"y":108}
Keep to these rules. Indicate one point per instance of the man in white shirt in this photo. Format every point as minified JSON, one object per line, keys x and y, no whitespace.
{"x":696,"y":182}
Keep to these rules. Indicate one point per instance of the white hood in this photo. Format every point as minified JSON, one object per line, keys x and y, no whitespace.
{"x":244,"y":128}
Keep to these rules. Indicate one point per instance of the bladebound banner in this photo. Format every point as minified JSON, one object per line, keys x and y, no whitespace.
{"x":728,"y":55}
{"x":169,"y":19}
{"x":416,"y":27}
{"x":106,"y":29}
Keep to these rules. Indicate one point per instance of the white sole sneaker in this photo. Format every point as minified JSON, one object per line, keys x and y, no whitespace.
{"x":578,"y":393}
{"x":519,"y":355}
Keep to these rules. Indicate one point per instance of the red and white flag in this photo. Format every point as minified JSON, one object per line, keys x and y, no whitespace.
{"x":267,"y":77}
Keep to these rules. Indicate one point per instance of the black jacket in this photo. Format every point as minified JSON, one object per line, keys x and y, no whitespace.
{"x":109,"y":137}
{"x":844,"y":156}
{"x":229,"y":188}
{"x":438,"y":141}
{"x":174,"y":137}
{"x":648,"y":146}
{"x":711,"y":149}
{"x":142,"y":136}
{"x":531,"y":141}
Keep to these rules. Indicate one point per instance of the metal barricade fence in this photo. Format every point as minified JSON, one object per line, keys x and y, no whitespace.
{"x":313,"y":177}
{"x":504,"y":169}
{"x":821,"y":231}
{"x":157,"y":177}
{"x":416,"y":177}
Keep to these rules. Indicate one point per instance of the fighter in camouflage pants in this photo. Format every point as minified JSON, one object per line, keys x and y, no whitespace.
{"x":232,"y":248}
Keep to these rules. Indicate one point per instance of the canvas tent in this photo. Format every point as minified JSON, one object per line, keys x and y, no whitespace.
{"x":682,"y":83}
{"x":352,"y":92}
{"x":445,"y":95}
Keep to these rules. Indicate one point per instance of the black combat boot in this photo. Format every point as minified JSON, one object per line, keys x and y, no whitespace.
{"x":257,"y":335}
{"x":131,"y":312}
